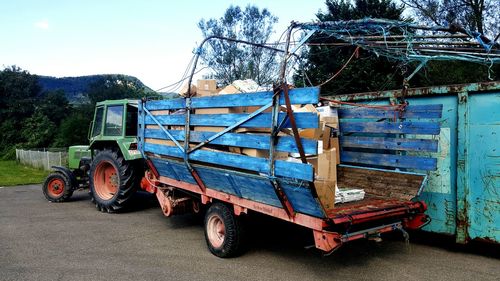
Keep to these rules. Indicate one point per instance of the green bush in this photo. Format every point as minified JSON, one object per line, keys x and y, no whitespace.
{"x":8,"y":154}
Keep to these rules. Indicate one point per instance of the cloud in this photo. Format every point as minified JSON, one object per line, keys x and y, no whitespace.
{"x":43,"y":24}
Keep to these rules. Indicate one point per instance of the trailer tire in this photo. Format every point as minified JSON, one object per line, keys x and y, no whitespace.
{"x":113,"y":181}
{"x":57,"y":187}
{"x":224,"y":231}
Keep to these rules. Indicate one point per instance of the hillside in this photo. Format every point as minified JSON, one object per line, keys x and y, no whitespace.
{"x":76,"y":87}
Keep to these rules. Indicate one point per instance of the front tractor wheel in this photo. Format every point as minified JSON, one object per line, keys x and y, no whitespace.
{"x":224,"y":231}
{"x":112,"y":181}
{"x":57,"y":188}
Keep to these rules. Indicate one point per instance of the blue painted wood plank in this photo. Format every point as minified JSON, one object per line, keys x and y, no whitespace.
{"x":260,"y":190}
{"x":411,"y":111}
{"x":218,"y":181}
{"x":406,"y":127}
{"x":389,"y":160}
{"x":253,"y":188}
{"x":257,"y":141}
{"x":302,"y":200}
{"x":261,"y":165}
{"x":297,"y":96}
{"x":167,"y":170}
{"x":177,"y":103}
{"x":263,"y":120}
{"x":390,"y":143}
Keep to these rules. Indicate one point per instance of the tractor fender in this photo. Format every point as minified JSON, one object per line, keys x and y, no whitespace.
{"x":68,"y":173}
{"x":84,"y":164}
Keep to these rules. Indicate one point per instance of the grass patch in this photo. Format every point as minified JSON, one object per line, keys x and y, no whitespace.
{"x":13,"y":173}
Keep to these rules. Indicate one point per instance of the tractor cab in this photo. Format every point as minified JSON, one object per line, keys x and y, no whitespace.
{"x":115,"y":125}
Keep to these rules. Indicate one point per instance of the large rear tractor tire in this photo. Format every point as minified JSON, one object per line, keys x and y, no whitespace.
{"x":224,"y":231}
{"x":112,"y":180}
{"x":57,"y":187}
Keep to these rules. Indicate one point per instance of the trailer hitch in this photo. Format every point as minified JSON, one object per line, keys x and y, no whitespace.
{"x":405,"y":234}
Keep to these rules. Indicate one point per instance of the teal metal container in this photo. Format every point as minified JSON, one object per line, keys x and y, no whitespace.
{"x":463,"y":194}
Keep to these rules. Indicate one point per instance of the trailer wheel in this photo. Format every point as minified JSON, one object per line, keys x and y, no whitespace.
{"x":112,"y":181}
{"x":223,"y":231}
{"x":57,"y":188}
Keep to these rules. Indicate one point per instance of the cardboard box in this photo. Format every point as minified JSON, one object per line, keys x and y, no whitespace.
{"x":313,"y":160}
{"x":250,"y":109}
{"x":207,"y":85}
{"x":309,"y":133}
{"x":331,"y":140}
{"x":306,"y":108}
{"x":234,"y":149}
{"x":325,"y":188}
{"x":222,"y":110}
{"x":247,"y":86}
{"x":177,"y":128}
{"x":331,"y":121}
{"x":209,"y":129}
{"x":254,"y":130}
{"x":264,"y":153}
{"x":203,"y":93}
{"x":229,"y":90}
{"x":327,"y":165}
{"x":327,"y":111}
{"x":312,"y":133}
{"x":183,"y":91}
{"x":334,"y":143}
{"x":326,"y":177}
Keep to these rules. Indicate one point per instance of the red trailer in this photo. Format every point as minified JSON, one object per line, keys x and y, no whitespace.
{"x":191,"y":167}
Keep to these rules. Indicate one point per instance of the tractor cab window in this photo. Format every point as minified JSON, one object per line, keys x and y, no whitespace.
{"x":96,"y":129}
{"x":114,"y":121}
{"x":131,"y":122}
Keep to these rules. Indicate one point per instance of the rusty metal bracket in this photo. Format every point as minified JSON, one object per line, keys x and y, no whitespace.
{"x":187,"y":131}
{"x":298,"y":142}
{"x":280,"y":193}
{"x":273,"y":139}
{"x":293,"y":124}
{"x":283,"y":198}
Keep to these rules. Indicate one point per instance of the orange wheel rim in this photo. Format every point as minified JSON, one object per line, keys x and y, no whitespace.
{"x":55,"y":187}
{"x":216,"y":231}
{"x":106,"y":180}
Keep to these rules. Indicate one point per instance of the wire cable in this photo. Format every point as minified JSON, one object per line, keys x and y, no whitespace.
{"x":355,"y":53}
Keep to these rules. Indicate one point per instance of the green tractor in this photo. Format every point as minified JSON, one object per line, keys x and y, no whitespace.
{"x":111,"y":166}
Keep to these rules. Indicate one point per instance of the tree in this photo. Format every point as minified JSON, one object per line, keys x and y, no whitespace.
{"x":112,"y":87}
{"x":18,"y":92}
{"x":367,"y":72}
{"x":74,"y":128}
{"x":54,"y":105}
{"x":38,"y":130}
{"x":482,"y":16}
{"x":231,"y":61}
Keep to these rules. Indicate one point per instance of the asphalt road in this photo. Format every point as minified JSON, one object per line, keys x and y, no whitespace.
{"x":72,"y":241}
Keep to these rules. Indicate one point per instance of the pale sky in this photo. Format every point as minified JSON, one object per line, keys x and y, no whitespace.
{"x":152,"y":40}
